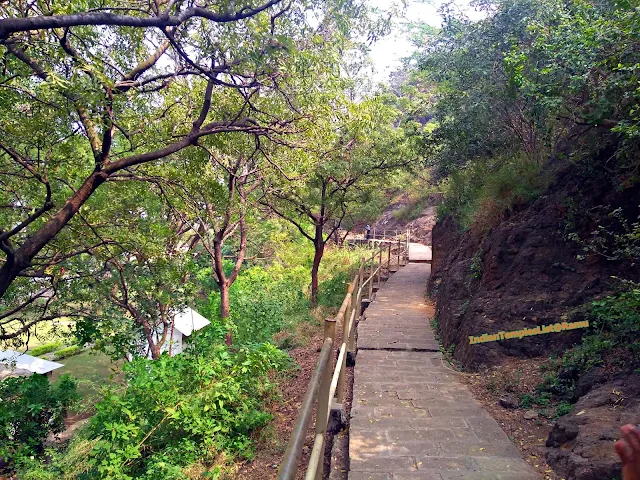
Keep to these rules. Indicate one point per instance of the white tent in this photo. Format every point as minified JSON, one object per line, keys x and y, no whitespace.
{"x":185,"y":323}
{"x":189,"y":321}
{"x":13,"y":361}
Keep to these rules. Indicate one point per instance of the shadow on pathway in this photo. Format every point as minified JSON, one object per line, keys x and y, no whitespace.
{"x":412,"y":418}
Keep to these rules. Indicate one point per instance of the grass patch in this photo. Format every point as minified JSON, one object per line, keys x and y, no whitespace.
{"x":93,"y":370}
{"x":484,"y":191}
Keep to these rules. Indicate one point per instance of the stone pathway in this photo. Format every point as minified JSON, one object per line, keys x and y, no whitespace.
{"x":419,"y":252}
{"x":412,"y":418}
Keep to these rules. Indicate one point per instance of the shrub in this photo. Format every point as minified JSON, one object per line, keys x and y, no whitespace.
{"x":265,"y":300}
{"x":614,"y":323}
{"x":30,"y":409}
{"x":67,"y":352}
{"x":563,"y":408}
{"x":194,"y":408}
{"x":485,"y":190}
{"x":332,"y":291}
{"x":177,"y":410}
{"x":44,"y":348}
{"x":615,"y":238}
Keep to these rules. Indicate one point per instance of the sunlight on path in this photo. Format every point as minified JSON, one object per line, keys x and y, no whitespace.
{"x":419,"y":253}
{"x":412,"y":418}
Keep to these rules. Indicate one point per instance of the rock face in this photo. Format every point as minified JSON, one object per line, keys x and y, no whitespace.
{"x":523,"y":273}
{"x":420,"y":227}
{"x":509,"y":401}
{"x":581,"y":443}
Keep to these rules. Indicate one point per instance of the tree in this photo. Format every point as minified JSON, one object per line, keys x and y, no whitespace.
{"x":213,"y":204}
{"x":101,"y":92}
{"x":362,"y":143}
{"x":530,"y":78}
{"x":142,"y":294}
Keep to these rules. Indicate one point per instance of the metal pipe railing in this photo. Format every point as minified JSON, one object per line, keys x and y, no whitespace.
{"x":289,"y":465}
{"x":328,"y":382}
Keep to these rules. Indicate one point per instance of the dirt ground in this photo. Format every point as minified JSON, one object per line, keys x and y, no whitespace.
{"x":514,"y":378}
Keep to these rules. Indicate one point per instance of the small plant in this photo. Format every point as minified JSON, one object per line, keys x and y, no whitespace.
{"x":526,"y":400}
{"x":492,"y":384}
{"x":476,"y":264}
{"x":543,"y":399}
{"x":562,"y":408}
{"x":615,"y":238}
{"x":67,"y":352}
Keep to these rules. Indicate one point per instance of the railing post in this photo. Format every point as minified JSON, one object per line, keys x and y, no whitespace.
{"x":346,"y":333}
{"x":357,"y":306}
{"x":389,"y":261}
{"x":323,"y":408}
{"x":373,"y":257}
{"x":379,"y":267}
{"x":398,"y":253}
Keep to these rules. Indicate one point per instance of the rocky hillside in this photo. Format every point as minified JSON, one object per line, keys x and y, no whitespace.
{"x":531,"y":269}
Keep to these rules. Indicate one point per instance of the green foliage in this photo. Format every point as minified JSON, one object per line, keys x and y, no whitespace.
{"x":67,"y":352}
{"x":268,"y":299}
{"x":614,"y":325}
{"x":616,"y":240}
{"x":476,"y":264}
{"x":519,"y":80}
{"x":526,"y":400}
{"x":417,"y":192}
{"x":31,"y":409}
{"x":179,"y":409}
{"x":263,"y":300}
{"x":175,"y":411}
{"x":483,"y":192}
{"x":70,"y":463}
{"x":563,"y":408}
{"x":45,"y":348}
{"x":332,"y":291}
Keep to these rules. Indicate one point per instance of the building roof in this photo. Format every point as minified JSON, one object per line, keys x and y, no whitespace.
{"x":27,"y":362}
{"x":189,"y":321}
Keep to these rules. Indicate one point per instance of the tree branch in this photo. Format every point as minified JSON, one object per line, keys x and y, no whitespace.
{"x":13,"y":25}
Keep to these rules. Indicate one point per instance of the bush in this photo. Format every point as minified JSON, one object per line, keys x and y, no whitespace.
{"x":614,"y":323}
{"x":44,"y":348}
{"x":67,"y":352}
{"x":197,"y":407}
{"x":332,"y":291}
{"x":30,"y":409}
{"x":265,"y":300}
{"x":177,"y":410}
{"x":482,"y":192}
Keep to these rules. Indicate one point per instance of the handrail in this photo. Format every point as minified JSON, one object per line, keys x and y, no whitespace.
{"x":328,"y":382}
{"x":292,"y":455}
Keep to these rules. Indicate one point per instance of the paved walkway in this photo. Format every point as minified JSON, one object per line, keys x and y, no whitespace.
{"x":419,"y":252}
{"x":412,"y":418}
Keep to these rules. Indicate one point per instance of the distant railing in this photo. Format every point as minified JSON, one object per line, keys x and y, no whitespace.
{"x":328,"y":382}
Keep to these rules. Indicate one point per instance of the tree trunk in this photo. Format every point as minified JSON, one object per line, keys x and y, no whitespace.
{"x":317,"y":257}
{"x":225,"y":308}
